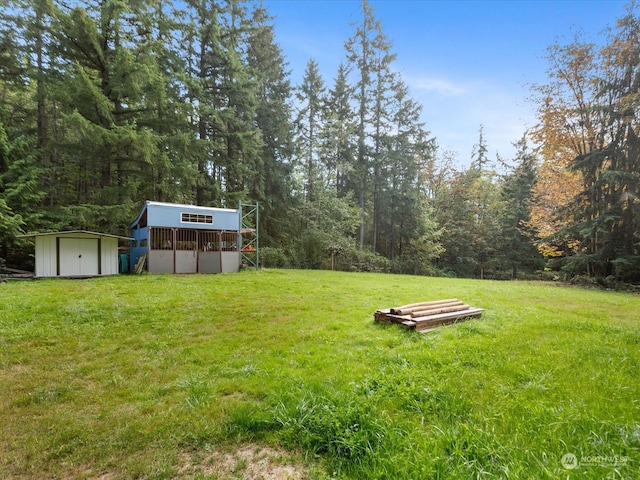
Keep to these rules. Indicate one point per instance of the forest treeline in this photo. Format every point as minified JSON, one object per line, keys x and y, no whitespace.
{"x":106,"y":104}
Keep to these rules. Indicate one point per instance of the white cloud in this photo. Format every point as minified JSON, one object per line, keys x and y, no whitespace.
{"x":454,"y":111}
{"x":439,"y":86}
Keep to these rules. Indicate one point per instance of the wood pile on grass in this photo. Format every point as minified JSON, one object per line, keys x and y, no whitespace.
{"x":425,"y":316}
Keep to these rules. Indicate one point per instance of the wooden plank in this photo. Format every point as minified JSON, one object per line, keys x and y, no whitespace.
{"x":399,"y":318}
{"x":444,"y":323}
{"x":416,"y":306}
{"x":408,"y":324}
{"x":15,"y":270}
{"x":140,"y":265}
{"x":470,"y":311}
{"x":380,"y":316}
{"x":444,"y":318}
{"x":438,"y":310}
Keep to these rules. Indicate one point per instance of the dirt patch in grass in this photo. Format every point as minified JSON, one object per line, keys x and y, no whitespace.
{"x":247,"y":462}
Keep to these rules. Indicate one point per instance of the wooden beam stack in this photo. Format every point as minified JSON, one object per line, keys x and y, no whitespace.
{"x":425,"y":316}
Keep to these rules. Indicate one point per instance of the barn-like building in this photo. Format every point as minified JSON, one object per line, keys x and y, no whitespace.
{"x":179,"y":238}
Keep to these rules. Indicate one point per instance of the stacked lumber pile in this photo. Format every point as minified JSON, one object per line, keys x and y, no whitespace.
{"x":7,"y":273}
{"x":426,"y":316}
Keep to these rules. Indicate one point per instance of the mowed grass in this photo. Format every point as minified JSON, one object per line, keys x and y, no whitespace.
{"x":141,"y":376}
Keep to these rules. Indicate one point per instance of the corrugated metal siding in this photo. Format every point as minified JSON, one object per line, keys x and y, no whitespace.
{"x":109,"y":256}
{"x":46,"y":256}
{"x":78,"y":255}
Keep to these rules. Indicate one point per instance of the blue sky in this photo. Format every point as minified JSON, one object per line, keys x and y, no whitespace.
{"x":468,"y":62}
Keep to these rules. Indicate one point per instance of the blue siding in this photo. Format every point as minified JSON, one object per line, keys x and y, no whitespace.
{"x":138,"y":234}
{"x":169,"y":215}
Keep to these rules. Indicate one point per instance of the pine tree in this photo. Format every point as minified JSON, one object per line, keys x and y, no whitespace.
{"x":309,"y":125}
{"x":517,"y":241}
{"x":272,"y":183}
{"x":337,"y":142}
{"x":401,"y":197}
{"x":108,"y":72}
{"x":469,"y":211}
{"x":361,"y":56}
{"x":21,"y":193}
{"x":610,"y":221}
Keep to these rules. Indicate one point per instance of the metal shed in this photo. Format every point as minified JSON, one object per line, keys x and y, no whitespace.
{"x":76,"y":253}
{"x":186,"y":238}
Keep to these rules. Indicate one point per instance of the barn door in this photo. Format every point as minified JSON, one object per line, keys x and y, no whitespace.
{"x":186,"y":253}
{"x":79,"y":257}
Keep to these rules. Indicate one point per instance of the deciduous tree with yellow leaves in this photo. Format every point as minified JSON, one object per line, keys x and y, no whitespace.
{"x":586,"y":207}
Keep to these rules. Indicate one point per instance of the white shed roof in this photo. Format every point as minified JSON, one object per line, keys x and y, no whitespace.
{"x":71,"y":232}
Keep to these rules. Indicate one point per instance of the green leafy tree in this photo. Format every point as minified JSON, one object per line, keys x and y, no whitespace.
{"x":328,"y":239}
{"x":469,"y":210}
{"x":588,"y":109}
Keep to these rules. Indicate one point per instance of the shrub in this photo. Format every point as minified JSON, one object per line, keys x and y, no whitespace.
{"x":362,"y":261}
{"x":271,"y":257}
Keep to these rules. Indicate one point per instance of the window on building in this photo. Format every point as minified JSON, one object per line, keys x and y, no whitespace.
{"x":196,"y":218}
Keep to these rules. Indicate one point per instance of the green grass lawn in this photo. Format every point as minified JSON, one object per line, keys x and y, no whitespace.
{"x":161,"y":376}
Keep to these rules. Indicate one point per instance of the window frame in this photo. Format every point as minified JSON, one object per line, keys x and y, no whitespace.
{"x":196,"y":218}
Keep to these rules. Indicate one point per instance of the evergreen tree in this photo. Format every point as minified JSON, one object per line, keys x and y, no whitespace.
{"x":469,"y":212}
{"x":611,"y":173}
{"x":587,"y":113}
{"x":170,"y":177}
{"x":338,"y":136}
{"x":222,"y":94}
{"x":517,"y":248}
{"x":271,"y":186}
{"x":108,"y":73}
{"x":384,"y":108}
{"x":20,"y":195}
{"x":402,"y":199}
{"x":202,"y":57}
{"x":361,"y":55}
{"x":241,"y":138}
{"x":309,"y":124}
